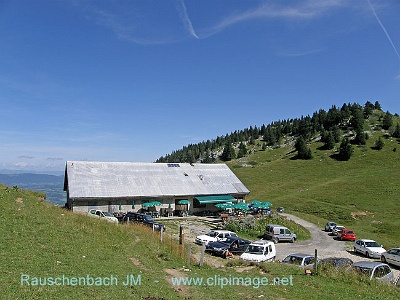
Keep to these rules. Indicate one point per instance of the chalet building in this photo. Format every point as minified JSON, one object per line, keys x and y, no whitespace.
{"x":126,"y":186}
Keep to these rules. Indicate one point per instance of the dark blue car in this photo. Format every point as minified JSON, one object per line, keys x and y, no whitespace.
{"x":233,"y":245}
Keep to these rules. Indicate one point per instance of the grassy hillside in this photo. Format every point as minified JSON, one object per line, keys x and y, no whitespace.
{"x":42,"y":240}
{"x":361,"y":193}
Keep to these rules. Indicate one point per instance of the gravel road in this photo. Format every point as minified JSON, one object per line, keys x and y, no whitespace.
{"x":325,"y":244}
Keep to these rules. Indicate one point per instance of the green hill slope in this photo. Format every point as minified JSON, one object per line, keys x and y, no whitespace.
{"x":50,"y":253}
{"x":361,"y":193}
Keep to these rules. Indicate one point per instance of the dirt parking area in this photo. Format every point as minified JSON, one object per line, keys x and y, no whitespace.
{"x":326,"y":245}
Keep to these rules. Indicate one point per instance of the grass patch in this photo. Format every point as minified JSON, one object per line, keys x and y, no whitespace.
{"x":42,"y":240}
{"x":324,"y":189}
{"x":253,"y":228}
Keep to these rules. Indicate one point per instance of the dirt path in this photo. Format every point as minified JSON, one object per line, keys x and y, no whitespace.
{"x":325,"y":244}
{"x":320,"y":240}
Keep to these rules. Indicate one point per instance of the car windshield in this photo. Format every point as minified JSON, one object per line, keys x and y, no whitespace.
{"x":107,"y":214}
{"x":349,"y":232}
{"x":363,"y":270}
{"x":148,"y":218}
{"x":293,"y":260}
{"x":372,"y":244}
{"x":212,"y":234}
{"x":255,"y":250}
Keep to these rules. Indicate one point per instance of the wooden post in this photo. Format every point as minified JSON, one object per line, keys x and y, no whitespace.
{"x":189,"y":252}
{"x":315,"y":262}
{"x":161,"y":234}
{"x":203,"y":249}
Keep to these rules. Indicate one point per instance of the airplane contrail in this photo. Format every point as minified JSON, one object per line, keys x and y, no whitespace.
{"x":181,"y":8}
{"x":384,"y":29}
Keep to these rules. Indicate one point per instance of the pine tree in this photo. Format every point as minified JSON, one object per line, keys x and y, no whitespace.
{"x":396,"y":132}
{"x":387,"y":121}
{"x":303,"y":152}
{"x":329,"y":141}
{"x":346,"y":149}
{"x":228,"y":153}
{"x":360,"y":138}
{"x":377,"y":105}
{"x":379,"y":144}
{"x":242,"y":150}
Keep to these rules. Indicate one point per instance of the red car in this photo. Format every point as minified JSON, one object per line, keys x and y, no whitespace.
{"x":347,"y":234}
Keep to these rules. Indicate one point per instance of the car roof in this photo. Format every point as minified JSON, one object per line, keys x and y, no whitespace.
{"x":236,"y":238}
{"x":261,"y":242}
{"x":368,"y":264}
{"x":365,"y":240}
{"x":302,"y":255}
{"x":335,"y":259}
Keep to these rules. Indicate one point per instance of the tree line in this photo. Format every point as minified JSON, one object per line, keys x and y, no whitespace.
{"x":330,"y":125}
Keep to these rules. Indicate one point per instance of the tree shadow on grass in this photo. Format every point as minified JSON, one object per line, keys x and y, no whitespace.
{"x":338,"y":157}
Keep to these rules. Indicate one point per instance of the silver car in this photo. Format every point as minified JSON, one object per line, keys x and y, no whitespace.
{"x":369,"y":248}
{"x":329,"y":226}
{"x":372,"y":269}
{"x":391,"y":256}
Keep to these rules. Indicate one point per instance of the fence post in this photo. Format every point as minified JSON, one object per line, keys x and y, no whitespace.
{"x":189,"y":253}
{"x":315,"y":262}
{"x":203,"y":249}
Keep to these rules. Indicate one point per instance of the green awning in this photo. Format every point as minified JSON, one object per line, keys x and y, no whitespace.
{"x":215,"y":199}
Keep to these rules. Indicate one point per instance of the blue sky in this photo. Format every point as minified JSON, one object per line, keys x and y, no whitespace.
{"x":135,"y":80}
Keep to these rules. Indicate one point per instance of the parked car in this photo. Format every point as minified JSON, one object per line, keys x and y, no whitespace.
{"x":143,"y":219}
{"x":369,"y":248}
{"x":329,"y":226}
{"x":337,"y":229}
{"x":391,"y":256}
{"x":299,"y":259}
{"x":233,"y":245}
{"x":347,"y":235}
{"x":335,"y":262}
{"x":278,"y":233}
{"x":260,"y":251}
{"x":103,"y":215}
{"x":280,"y":209}
{"x":372,"y":269}
{"x":213,"y":236}
{"x":397,"y":282}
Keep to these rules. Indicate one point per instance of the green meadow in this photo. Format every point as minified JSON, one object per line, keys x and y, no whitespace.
{"x":42,"y":246}
{"x":361,"y":193}
{"x":50,"y":253}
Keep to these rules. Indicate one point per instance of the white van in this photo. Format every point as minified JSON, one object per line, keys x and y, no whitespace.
{"x":260,"y":251}
{"x":279,"y":233}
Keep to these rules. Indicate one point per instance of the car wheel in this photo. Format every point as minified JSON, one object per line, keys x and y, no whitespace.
{"x":275,"y":240}
{"x":366,"y":254}
{"x":383,"y":259}
{"x":292,"y":240}
{"x":355,"y":250}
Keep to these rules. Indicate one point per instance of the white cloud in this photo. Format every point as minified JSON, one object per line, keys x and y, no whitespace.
{"x":183,"y":14}
{"x":304,"y":10}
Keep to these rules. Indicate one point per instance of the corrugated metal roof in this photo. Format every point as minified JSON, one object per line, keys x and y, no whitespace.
{"x":129,"y":179}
